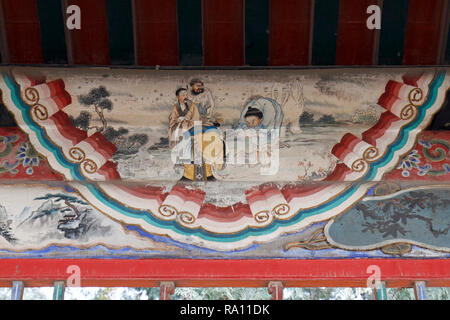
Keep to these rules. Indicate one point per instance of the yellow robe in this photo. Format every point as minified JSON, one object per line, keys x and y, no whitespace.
{"x":187,"y":123}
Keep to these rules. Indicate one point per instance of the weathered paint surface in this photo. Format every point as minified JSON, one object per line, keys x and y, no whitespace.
{"x":87,"y":168}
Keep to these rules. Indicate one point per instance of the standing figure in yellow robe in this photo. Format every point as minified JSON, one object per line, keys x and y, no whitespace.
{"x":182,"y":119}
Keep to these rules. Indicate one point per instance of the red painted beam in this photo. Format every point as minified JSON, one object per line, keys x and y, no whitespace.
{"x":90,"y":44}
{"x":355,"y":43}
{"x":22,"y":31}
{"x":193,"y":272}
{"x":290,"y":32}
{"x":223,"y":32}
{"x":423,"y":32}
{"x":156,"y":32}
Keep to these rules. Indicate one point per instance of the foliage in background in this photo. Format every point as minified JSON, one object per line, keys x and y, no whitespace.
{"x":225,"y":294}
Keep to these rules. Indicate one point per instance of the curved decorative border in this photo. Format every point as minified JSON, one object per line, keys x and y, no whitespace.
{"x":377,"y":153}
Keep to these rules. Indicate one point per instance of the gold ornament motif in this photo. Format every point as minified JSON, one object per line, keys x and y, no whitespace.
{"x":408,"y":112}
{"x":39,"y":112}
{"x":281,"y":209}
{"x":316,"y":241}
{"x":370,"y":154}
{"x":359,"y":165}
{"x":399,"y":249}
{"x":167,"y":210}
{"x":414,"y":96}
{"x":89,"y":166}
{"x":77,"y":154}
{"x":262,"y":216}
{"x":31,"y":95}
{"x":186,"y":217}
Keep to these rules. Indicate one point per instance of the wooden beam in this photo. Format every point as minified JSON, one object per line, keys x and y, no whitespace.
{"x":223,"y":33}
{"x":67,"y":33}
{"x":355,"y":42}
{"x":376,"y":37}
{"x":90,"y":45}
{"x":4,"y":52}
{"x":156,"y":32}
{"x":290,"y":32}
{"x":22,"y":32}
{"x":226,"y":273}
{"x":423,"y":32}
{"x":445,"y":23}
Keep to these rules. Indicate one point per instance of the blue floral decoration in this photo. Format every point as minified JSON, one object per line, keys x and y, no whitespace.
{"x":28,"y":157}
{"x":426,"y":144}
{"x":408,"y":162}
{"x":446,"y":166}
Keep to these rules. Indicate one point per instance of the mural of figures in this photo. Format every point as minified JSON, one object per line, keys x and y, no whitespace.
{"x":254,"y":163}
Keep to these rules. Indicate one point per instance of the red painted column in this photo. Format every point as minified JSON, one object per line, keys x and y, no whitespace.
{"x":156,"y":32}
{"x":290,"y":32}
{"x":223,"y":32}
{"x":423,"y":32}
{"x":90,"y":44}
{"x":22,"y":31}
{"x":355,"y":42}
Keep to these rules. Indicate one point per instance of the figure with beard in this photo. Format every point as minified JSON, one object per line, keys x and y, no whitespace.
{"x":202,"y":98}
{"x":184,"y":140}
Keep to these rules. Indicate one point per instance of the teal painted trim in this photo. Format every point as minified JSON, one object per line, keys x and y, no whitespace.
{"x":53,"y":39}
{"x":173,"y":225}
{"x":404,"y":133}
{"x":381,"y":291}
{"x":58,"y":290}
